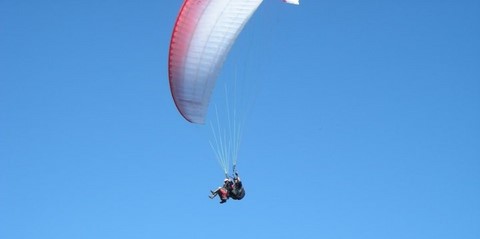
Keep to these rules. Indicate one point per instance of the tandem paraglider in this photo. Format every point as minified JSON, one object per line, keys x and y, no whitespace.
{"x":203,"y":34}
{"x":230,"y":189}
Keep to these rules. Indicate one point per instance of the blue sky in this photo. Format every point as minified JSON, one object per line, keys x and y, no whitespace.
{"x":366,"y":123}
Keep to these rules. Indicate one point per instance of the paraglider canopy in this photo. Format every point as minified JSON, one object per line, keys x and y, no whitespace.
{"x":294,"y":2}
{"x":203,"y":35}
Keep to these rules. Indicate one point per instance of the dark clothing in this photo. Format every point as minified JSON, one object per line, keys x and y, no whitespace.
{"x":237,"y":192}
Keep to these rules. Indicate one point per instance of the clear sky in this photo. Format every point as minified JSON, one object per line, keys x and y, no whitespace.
{"x":366,"y":123}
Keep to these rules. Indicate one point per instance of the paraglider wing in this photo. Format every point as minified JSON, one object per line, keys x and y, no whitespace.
{"x":294,"y":2}
{"x":204,"y":33}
